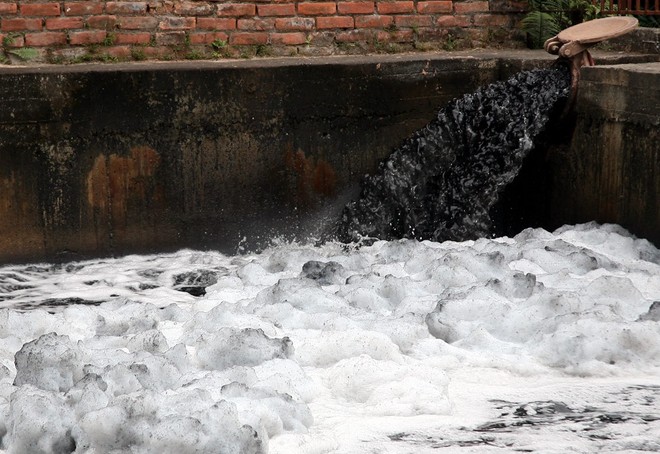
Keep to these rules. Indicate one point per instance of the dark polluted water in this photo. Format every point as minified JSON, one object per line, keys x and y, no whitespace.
{"x":443,"y":182}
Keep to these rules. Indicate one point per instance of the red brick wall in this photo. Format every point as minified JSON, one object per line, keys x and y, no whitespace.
{"x":76,"y":31}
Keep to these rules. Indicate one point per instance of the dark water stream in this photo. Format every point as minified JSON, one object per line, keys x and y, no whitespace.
{"x":443,"y":182}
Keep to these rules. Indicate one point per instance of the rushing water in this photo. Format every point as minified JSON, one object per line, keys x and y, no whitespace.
{"x":442,"y":183}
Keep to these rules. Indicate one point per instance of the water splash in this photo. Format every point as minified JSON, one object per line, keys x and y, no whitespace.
{"x":443,"y":181}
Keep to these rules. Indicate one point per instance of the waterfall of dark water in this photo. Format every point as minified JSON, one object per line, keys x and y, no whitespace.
{"x":443,"y":181}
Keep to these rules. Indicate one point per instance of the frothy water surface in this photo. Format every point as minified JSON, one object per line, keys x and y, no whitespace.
{"x":545,"y":342}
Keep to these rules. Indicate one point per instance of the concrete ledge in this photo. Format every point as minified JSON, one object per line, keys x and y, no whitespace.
{"x":627,"y":93}
{"x":642,"y":39}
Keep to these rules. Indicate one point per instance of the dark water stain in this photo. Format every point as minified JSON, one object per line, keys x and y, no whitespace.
{"x":605,"y":425}
{"x":443,"y":182}
{"x":584,"y":420}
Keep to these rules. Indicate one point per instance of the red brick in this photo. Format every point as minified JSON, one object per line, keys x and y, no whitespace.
{"x":132,"y":38}
{"x":248,"y":38}
{"x":286,"y":9}
{"x":177,"y":23}
{"x":256,"y":24}
{"x":478,"y":34}
{"x":87,"y":37}
{"x":396,"y":7}
{"x":289,"y":39}
{"x":193,"y":9}
{"x":63,"y":23}
{"x":434,"y":7}
{"x":40,"y":9}
{"x":207,"y":38}
{"x":294,"y":23}
{"x":170,"y":38}
{"x":20,"y":24}
{"x":373,"y":21}
{"x":8,"y":8}
{"x":161,"y":52}
{"x":353,"y":36}
{"x":453,"y":21}
{"x":138,"y":23}
{"x":355,"y":7}
{"x":119,"y":51}
{"x":236,"y":9}
{"x":491,"y":20}
{"x":126,"y":7}
{"x":334,"y":22}
{"x":45,"y":39}
{"x":398,"y":36}
{"x":102,"y":22}
{"x":83,"y":8}
{"x":313,"y":9}
{"x":413,"y":21}
{"x":470,"y":7}
{"x":209,"y":23}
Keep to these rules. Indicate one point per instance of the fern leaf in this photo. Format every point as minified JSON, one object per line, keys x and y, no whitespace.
{"x":539,"y":26}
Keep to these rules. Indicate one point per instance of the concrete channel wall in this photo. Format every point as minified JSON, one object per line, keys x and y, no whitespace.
{"x":611,"y":172}
{"x":102,"y":160}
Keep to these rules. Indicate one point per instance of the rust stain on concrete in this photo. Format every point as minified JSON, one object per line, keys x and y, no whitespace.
{"x":20,"y":229}
{"x":314,"y":177}
{"x":117,"y":184}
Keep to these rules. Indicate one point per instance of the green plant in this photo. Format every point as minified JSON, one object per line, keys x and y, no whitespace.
{"x":450,"y":43}
{"x":546,"y":18}
{"x":25,"y":53}
{"x":138,"y":54}
{"x":424,"y":46}
{"x":263,"y":50}
{"x":109,"y":39}
{"x":55,"y":59}
{"x":107,"y":58}
{"x":383,"y":46}
{"x":649,"y":21}
{"x":84,"y":58}
{"x":8,"y":40}
{"x":194,"y":55}
{"x":218,"y":44}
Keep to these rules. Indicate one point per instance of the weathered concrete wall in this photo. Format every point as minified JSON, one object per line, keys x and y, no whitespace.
{"x":109,"y":160}
{"x":102,"y":160}
{"x":611,"y":172}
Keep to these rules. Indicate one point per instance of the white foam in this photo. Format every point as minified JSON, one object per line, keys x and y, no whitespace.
{"x":397,"y":347}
